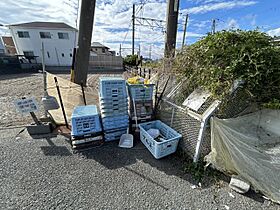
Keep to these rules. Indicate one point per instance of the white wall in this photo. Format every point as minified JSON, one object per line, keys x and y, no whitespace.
{"x":54,"y":46}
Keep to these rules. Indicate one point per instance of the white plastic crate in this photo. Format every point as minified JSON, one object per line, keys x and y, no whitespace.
{"x":141,"y":92}
{"x":112,"y":87}
{"x":85,"y":120}
{"x":160,"y":148}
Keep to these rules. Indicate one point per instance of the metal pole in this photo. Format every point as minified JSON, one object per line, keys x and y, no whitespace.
{"x":61,"y":102}
{"x":213,"y":26}
{"x":185,"y":29}
{"x":44,"y":70}
{"x":150,"y":52}
{"x":84,"y":41}
{"x":171,"y":28}
{"x":133,"y":28}
{"x":83,"y":92}
{"x":44,"y":76}
{"x":120,"y":52}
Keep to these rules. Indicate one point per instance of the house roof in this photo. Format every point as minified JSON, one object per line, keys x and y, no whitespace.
{"x":97,"y":44}
{"x":57,"y":25}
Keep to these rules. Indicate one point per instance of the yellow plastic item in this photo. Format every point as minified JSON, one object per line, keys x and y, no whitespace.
{"x":138,"y":80}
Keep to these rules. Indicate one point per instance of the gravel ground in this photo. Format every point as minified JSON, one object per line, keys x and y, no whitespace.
{"x":45,"y":174}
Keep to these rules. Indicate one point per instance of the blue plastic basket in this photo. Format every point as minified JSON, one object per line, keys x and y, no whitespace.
{"x":115,"y":122}
{"x":161,"y":148}
{"x":85,"y":120}
{"x":112,"y":136}
{"x":112,"y":101}
{"x":114,"y":113}
{"x":112,"y":87}
{"x":141,"y":92}
{"x":108,"y":107}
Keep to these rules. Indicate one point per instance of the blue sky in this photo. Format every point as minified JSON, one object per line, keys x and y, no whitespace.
{"x":113,"y":18}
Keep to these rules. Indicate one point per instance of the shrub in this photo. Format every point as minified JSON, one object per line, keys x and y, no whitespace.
{"x":217,"y":60}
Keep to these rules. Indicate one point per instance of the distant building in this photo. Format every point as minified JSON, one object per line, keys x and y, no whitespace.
{"x":100,"y":49}
{"x":9,"y":45}
{"x":58,"y":39}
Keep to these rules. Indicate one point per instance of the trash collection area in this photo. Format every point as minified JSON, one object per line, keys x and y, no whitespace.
{"x":116,"y":152}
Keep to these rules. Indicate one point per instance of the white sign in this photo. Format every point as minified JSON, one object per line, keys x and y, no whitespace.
{"x":26,"y":105}
{"x":196,"y":99}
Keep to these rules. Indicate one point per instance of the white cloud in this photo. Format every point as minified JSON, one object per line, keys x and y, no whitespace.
{"x":274,"y":32}
{"x":218,"y":6}
{"x":112,"y":18}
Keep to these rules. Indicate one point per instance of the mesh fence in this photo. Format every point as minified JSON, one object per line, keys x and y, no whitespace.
{"x":174,"y":114}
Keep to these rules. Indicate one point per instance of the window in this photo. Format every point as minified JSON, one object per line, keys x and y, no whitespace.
{"x":48,"y":54}
{"x":63,"y":35}
{"x":70,"y":54}
{"x":62,"y":54}
{"x":28,"y":53}
{"x":103,"y":50}
{"x":45,"y":35}
{"x":23,"y":34}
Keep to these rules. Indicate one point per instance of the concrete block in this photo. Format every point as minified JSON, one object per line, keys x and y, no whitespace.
{"x":239,"y":185}
{"x":43,"y":128}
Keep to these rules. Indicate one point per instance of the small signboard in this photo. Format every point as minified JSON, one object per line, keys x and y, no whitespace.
{"x":26,"y":105}
{"x":196,"y":99}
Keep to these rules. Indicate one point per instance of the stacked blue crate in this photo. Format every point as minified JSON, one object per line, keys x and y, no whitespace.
{"x":86,"y":127}
{"x":113,"y":107}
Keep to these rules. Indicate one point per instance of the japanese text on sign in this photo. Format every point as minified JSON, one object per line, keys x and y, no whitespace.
{"x":26,"y":105}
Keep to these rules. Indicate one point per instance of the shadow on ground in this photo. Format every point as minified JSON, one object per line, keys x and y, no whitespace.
{"x":17,"y":75}
{"x":112,"y":157}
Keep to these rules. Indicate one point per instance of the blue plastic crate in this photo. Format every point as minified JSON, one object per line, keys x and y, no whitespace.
{"x":113,"y":113}
{"x":112,"y":87}
{"x":159,"y":148}
{"x":113,"y":124}
{"x":113,"y":109}
{"x":141,"y":92}
{"x":113,"y":101}
{"x":112,"y":136}
{"x":115,"y":118}
{"x":85,"y":120}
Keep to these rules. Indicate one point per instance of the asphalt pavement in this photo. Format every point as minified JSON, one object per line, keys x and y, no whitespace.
{"x":44,"y":173}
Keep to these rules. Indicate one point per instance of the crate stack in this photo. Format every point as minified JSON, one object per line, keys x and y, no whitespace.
{"x":140,"y":103}
{"x":113,"y":107}
{"x":86,"y":127}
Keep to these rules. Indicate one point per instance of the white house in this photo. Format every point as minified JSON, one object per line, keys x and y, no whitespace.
{"x":58,"y":38}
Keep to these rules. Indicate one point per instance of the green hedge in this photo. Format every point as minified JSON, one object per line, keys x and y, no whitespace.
{"x":217,"y":60}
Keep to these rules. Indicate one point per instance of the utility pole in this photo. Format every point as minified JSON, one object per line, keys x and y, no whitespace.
{"x":171,"y":28}
{"x":139,"y":50}
{"x":133,"y":28}
{"x":150,"y":52}
{"x":84,"y":41}
{"x":120,"y":52}
{"x":213,"y":26}
{"x":185,"y":29}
